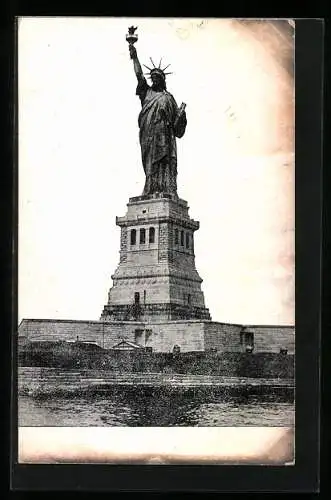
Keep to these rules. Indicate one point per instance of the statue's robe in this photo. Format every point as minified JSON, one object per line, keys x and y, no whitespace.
{"x":159,"y":126}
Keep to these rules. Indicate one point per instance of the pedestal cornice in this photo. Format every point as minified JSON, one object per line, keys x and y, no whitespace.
{"x":141,"y":220}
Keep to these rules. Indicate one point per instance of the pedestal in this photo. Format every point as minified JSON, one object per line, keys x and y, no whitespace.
{"x":156,"y":278}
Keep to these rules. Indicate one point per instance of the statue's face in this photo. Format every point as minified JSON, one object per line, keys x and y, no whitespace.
{"x":157,"y":81}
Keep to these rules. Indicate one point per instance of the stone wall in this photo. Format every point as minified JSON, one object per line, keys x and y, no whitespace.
{"x":190,"y":335}
{"x":226,"y":337}
{"x":273,"y":338}
{"x":222,"y":336}
{"x":104,"y":334}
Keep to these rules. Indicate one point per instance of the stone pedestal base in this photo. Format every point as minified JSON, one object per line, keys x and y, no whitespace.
{"x":156,"y":278}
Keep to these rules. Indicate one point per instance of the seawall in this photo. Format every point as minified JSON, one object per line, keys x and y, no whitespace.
{"x":49,"y":382}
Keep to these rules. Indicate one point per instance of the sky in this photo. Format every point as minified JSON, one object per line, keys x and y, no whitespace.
{"x":79,"y":161}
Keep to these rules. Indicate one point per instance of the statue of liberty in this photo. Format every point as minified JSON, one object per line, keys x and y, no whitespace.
{"x":160,"y":122}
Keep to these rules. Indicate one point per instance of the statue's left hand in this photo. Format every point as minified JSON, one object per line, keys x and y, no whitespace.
{"x":180,"y":125}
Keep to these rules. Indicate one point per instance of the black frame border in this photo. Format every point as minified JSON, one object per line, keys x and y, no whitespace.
{"x":304,"y":475}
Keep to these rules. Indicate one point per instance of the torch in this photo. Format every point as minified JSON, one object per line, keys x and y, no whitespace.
{"x":131,"y":37}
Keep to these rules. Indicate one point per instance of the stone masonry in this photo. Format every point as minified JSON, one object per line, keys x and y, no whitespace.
{"x":162,"y":336}
{"x":156,"y":278}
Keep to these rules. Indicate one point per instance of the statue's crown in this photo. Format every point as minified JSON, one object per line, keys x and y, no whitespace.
{"x":157,"y":69}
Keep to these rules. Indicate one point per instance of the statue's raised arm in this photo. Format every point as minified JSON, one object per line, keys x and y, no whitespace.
{"x":136,"y":64}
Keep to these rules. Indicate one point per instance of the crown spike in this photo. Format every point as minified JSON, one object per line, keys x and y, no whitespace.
{"x":160,"y":63}
{"x":149,"y":69}
{"x":169,"y":73}
{"x":166,"y":67}
{"x":152,"y":62}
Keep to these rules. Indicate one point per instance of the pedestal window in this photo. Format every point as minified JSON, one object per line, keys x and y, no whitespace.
{"x":133,"y":237}
{"x":151,"y":235}
{"x":142,"y":236}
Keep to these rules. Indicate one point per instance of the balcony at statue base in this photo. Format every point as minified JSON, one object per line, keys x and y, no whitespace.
{"x":157,"y":205}
{"x":156,"y":278}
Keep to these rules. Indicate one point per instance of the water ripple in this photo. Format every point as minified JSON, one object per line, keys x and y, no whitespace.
{"x":140,"y":410}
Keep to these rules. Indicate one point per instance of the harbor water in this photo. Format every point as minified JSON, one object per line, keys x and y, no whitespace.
{"x":167,"y":410}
